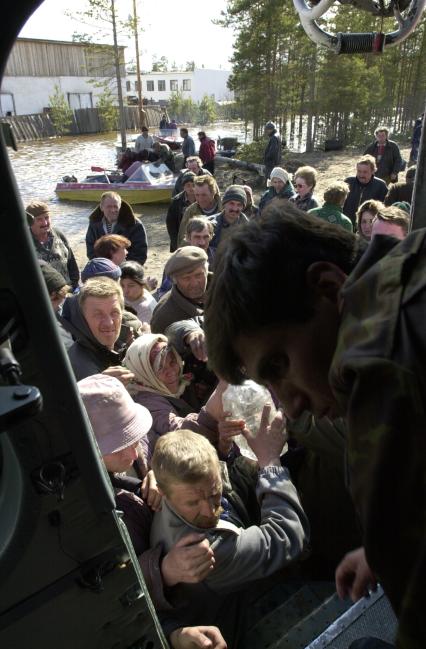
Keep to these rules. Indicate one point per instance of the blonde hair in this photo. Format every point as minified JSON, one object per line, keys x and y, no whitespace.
{"x":393,"y":214}
{"x":100,"y":287}
{"x":106,"y":195}
{"x":381,"y":129}
{"x":207,"y":180}
{"x":336,"y":192}
{"x":183,"y":457}
{"x":368,"y":160}
{"x":191,"y":158}
{"x":309,"y":175}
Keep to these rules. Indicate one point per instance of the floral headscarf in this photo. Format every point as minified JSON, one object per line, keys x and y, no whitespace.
{"x":138,"y":361}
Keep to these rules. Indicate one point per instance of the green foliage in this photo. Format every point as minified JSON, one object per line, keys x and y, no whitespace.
{"x":206,"y":110}
{"x":252,"y":152}
{"x":60,"y":112}
{"x":107,"y":110}
{"x":229,"y":110}
{"x":279,"y":74}
{"x":182,"y":108}
{"x":160,"y":65}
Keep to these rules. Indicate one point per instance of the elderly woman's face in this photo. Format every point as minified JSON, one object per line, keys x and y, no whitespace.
{"x":169,"y":370}
{"x":302,"y":187}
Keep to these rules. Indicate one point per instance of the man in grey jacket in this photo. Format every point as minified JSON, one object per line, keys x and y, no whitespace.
{"x":94,"y":319}
{"x":188,"y":474}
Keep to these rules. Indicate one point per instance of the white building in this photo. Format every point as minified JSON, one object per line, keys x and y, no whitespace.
{"x":36,"y":66}
{"x":158,"y":86}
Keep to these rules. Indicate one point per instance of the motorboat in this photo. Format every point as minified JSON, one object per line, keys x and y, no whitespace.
{"x":150,"y":183}
{"x":171,"y":137}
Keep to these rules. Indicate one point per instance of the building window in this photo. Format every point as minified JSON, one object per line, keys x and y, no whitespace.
{"x":150,"y":86}
{"x":128,"y":86}
{"x":7,"y":104}
{"x":174,"y":85}
{"x":161,"y":85}
{"x":186,"y":84}
{"x":78,"y":100}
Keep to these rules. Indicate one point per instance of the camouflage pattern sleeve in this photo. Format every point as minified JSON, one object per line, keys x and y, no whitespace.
{"x":379,"y":377}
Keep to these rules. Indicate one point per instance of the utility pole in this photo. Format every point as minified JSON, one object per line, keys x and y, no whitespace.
{"x":142,"y":112}
{"x":118,"y":75}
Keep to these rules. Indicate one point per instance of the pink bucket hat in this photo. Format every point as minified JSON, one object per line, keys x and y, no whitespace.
{"x":117,"y":421}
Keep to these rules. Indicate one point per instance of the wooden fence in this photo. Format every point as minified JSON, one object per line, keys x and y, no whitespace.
{"x":85,"y":121}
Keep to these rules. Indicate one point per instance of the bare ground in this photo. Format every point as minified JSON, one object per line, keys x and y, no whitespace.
{"x":335,"y":165}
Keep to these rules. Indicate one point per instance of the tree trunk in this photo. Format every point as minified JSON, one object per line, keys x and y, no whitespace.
{"x":122,"y":117}
{"x":311,"y":103}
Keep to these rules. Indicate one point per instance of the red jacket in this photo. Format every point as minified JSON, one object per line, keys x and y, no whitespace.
{"x":207,"y":149}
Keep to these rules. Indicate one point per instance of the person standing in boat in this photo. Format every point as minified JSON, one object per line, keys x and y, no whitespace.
{"x":144,"y":142}
{"x":114,"y":216}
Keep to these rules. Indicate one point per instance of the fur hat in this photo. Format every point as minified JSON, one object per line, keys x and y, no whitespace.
{"x":117,"y":420}
{"x":280,"y":173}
{"x":185,"y":259}
{"x":100,"y":266}
{"x":235,"y":193}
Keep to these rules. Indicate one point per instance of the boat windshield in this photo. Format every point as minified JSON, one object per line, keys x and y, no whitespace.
{"x":152,"y":174}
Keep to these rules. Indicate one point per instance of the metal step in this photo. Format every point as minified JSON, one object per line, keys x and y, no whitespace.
{"x":371,"y":616}
{"x":279,"y":611}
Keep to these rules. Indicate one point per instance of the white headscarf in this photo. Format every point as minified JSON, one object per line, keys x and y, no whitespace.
{"x":137,"y":360}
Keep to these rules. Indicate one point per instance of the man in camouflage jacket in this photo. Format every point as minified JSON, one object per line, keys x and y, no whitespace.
{"x":347,"y":337}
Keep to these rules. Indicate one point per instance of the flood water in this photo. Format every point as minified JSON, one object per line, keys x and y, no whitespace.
{"x":38,"y":165}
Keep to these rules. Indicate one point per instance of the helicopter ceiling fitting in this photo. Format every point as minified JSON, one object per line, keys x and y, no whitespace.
{"x":407,"y":14}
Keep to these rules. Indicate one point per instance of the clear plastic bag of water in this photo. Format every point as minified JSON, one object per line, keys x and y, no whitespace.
{"x":246,"y":402}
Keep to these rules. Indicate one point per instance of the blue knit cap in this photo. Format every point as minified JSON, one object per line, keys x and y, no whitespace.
{"x":100,"y":267}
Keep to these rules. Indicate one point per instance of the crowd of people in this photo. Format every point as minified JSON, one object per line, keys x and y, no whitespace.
{"x":302,"y":295}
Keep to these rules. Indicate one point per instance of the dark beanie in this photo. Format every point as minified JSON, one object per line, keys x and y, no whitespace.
{"x":100,"y":267}
{"x":187,"y":176}
{"x":133,"y":270}
{"x":54,"y":280}
{"x":235,"y":193}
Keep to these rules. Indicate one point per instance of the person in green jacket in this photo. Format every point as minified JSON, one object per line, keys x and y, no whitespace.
{"x":334,"y":198}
